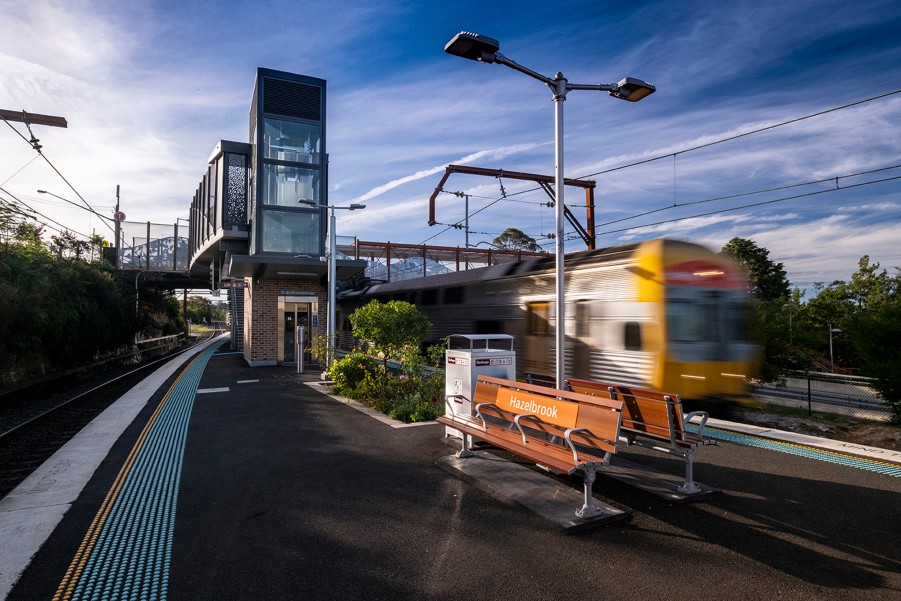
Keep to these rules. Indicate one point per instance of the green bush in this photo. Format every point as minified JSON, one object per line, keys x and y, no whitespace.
{"x":404,"y":396}
{"x":416,"y":398}
{"x":355,"y":374}
{"x":408,"y":391}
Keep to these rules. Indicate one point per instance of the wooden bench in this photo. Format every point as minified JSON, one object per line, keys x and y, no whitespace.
{"x":566,"y":431}
{"x":653,"y":420}
{"x":540,"y":379}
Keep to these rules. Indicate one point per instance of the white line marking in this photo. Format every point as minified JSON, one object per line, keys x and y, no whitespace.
{"x":210,"y":390}
{"x":247,"y":381}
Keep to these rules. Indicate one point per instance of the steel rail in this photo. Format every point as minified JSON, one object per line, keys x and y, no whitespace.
{"x":94,"y":389}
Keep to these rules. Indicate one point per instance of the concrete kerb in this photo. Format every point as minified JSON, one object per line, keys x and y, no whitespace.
{"x":325,"y":388}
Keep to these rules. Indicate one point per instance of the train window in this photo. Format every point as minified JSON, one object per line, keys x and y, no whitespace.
{"x":488,"y":326}
{"x":454,"y":296}
{"x":537,"y":315}
{"x":583,"y":319}
{"x":632,"y":336}
{"x":399,"y":296}
{"x":428,"y":297}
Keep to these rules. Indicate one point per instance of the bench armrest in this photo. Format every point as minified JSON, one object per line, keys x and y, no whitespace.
{"x":447,"y":401}
{"x":522,"y":416}
{"x":491,"y":406}
{"x":567,"y":436}
{"x":702,"y":414}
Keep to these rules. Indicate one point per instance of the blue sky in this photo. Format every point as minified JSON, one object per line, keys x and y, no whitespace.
{"x":148,"y":88}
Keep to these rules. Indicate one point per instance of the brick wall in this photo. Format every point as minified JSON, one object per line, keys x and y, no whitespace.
{"x":261,"y":319}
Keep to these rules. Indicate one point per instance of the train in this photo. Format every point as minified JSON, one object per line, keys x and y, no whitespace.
{"x":663,"y":314}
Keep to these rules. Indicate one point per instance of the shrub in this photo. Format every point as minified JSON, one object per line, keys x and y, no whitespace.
{"x":354,"y":374}
{"x":408,"y":391}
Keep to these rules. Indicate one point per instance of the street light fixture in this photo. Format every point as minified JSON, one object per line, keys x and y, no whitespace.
{"x":332,"y":269}
{"x":86,"y":208}
{"x":481,"y":48}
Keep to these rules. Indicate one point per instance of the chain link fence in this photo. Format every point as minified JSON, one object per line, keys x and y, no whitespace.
{"x":819,"y":392}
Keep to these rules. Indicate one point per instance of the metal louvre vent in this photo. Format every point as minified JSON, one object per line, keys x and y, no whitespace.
{"x":291,"y":99}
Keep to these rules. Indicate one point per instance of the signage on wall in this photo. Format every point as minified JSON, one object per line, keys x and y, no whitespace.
{"x":232,"y":284}
{"x":294,"y":292}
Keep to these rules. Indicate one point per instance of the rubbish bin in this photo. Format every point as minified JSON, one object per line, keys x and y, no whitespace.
{"x":469,"y":356}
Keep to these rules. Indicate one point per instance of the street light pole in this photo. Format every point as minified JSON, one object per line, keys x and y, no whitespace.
{"x":332,"y":289}
{"x":831,"y":358}
{"x":481,"y":48}
{"x":332,"y":275}
{"x":559,"y":243}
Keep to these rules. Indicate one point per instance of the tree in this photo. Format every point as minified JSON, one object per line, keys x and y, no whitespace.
{"x":393,"y":327}
{"x":767,"y":280}
{"x":851,"y":305}
{"x":199,"y":309}
{"x":772,"y":310}
{"x":876,"y":336}
{"x":514,"y":239}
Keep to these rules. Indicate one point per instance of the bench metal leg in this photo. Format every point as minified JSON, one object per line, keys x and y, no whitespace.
{"x":465,"y":451}
{"x":589,"y":509}
{"x":690,"y":487}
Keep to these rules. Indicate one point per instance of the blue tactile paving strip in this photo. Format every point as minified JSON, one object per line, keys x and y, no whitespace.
{"x":127,"y":549}
{"x":872,"y":465}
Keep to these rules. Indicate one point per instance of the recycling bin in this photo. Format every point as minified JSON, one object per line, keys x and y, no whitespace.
{"x":469,"y":356}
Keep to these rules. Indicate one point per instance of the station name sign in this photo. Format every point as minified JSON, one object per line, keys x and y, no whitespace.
{"x":233,"y":284}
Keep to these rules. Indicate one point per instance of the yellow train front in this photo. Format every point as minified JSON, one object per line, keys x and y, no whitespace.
{"x":662,"y":314}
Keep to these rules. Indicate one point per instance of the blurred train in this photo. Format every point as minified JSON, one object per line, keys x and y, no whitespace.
{"x":663,"y":314}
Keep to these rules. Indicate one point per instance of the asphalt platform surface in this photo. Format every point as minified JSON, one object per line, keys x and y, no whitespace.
{"x":288,"y":493}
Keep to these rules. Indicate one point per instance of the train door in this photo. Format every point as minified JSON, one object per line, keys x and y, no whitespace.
{"x":292,"y":313}
{"x":538,"y":343}
{"x":581,"y":341}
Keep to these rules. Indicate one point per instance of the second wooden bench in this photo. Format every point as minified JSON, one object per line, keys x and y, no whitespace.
{"x":654,"y":420}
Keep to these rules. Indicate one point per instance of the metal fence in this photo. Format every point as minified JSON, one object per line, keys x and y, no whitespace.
{"x":819,"y":392}
{"x":151,"y":246}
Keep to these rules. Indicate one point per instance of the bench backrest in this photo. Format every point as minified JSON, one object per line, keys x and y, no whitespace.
{"x":602,"y":417}
{"x":650,"y":411}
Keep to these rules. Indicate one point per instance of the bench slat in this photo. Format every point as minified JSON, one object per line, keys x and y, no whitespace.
{"x":649,"y":412}
{"x":589,"y":427}
{"x":537,"y":450}
{"x":654,"y":415}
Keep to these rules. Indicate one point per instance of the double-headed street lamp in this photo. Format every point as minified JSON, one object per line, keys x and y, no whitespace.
{"x":332,"y":270}
{"x":484,"y":49}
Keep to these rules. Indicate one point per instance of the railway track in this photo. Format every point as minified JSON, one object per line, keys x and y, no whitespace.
{"x":33,"y":429}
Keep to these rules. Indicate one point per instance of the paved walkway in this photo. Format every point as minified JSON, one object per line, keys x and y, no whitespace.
{"x":258,"y":486}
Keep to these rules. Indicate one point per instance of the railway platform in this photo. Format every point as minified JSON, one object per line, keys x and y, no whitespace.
{"x":214,"y":480}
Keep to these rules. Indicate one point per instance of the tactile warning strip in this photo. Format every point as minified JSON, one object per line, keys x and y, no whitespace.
{"x":873,"y":465}
{"x":126,"y":551}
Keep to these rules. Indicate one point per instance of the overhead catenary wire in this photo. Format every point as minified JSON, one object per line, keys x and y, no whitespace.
{"x":752,"y":193}
{"x":744,"y":134}
{"x":570,"y":235}
{"x":19,"y":170}
{"x":35,"y":212}
{"x":37,"y":147}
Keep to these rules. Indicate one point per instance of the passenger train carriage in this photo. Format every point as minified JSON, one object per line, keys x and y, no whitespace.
{"x":662,"y":314}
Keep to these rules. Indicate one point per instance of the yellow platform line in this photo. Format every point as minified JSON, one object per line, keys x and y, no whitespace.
{"x":70,"y":579}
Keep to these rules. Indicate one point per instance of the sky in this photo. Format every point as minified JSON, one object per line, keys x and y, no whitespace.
{"x":778,"y":122}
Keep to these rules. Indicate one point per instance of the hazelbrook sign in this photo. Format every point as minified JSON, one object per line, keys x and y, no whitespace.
{"x":551,"y":410}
